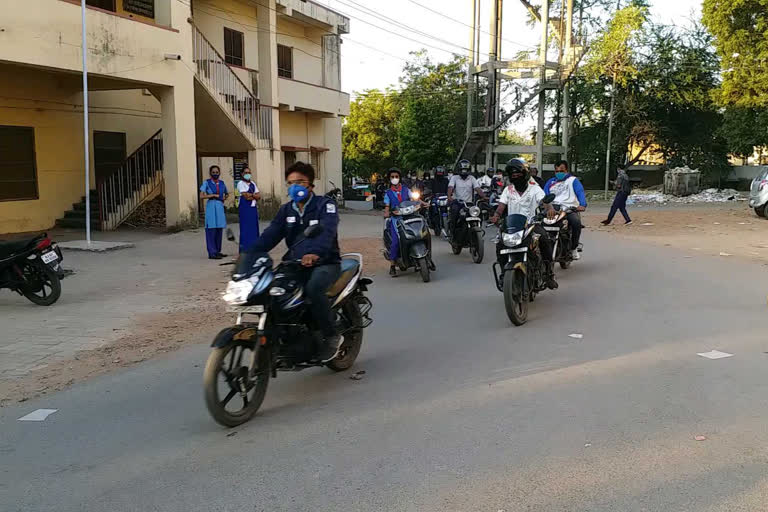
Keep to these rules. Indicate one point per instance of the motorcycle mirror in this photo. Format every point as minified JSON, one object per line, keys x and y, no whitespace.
{"x":313,"y":231}
{"x":230,"y":235}
{"x":548,"y":198}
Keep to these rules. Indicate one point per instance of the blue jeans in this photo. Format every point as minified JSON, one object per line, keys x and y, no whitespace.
{"x":620,"y":204}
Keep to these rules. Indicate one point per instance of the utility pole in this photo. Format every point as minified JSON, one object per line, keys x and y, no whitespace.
{"x":566,"y":116}
{"x":471,"y":70}
{"x":610,"y":125}
{"x":543,"y":93}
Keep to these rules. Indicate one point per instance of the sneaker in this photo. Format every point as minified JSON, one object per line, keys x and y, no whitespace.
{"x":329,"y":349}
{"x":220,"y":255}
{"x":576,"y":255}
{"x":605,"y":222}
{"x":393,"y":271}
{"x":628,"y":223}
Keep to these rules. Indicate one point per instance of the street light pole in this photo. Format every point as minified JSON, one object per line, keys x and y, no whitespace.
{"x":610,"y":134}
{"x":85,"y":131}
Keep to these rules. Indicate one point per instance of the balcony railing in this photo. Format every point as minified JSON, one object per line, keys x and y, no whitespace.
{"x":252,"y":119}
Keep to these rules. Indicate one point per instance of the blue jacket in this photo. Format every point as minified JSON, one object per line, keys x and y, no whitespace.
{"x":390,"y":197}
{"x":289,"y":224}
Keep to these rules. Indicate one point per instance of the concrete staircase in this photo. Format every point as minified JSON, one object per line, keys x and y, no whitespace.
{"x":75,"y":218}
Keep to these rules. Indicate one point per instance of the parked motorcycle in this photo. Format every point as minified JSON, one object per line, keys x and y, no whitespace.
{"x":560,"y":233}
{"x":415,"y":240}
{"x":335,"y":193}
{"x":274,"y":330}
{"x":519,"y":272}
{"x":32,"y":267}
{"x":468,"y":232}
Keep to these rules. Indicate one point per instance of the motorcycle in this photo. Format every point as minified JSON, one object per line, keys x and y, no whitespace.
{"x":335,"y":193}
{"x":415,"y":240}
{"x":274,"y":330}
{"x":557,"y":228}
{"x":437,"y":216}
{"x":519,"y":271}
{"x":32,"y":267}
{"x":468,"y":232}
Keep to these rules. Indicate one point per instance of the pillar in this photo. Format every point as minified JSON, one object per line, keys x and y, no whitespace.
{"x":179,"y":152}
{"x":271,"y":161}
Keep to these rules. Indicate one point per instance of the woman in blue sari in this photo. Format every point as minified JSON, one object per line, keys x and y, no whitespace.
{"x":249,"y":210}
{"x":215,"y":192}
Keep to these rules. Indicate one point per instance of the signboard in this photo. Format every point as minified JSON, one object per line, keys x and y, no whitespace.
{"x":239,"y":164}
{"x":141,"y":7}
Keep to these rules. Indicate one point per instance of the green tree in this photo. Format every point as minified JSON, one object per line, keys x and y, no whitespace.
{"x":369,"y":134}
{"x":740,"y":28}
{"x":744,"y":129}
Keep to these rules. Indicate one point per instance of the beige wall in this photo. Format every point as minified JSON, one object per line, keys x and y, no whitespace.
{"x":307,"y":50}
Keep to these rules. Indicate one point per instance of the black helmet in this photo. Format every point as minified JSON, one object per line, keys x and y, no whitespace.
{"x":490,"y":171}
{"x":439,"y":170}
{"x":464,"y":165}
{"x":515,"y":166}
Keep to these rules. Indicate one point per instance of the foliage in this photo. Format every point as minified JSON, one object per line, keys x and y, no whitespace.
{"x":740,"y":28}
{"x":369,"y":135}
{"x":744,"y":129}
{"x":611,"y":55}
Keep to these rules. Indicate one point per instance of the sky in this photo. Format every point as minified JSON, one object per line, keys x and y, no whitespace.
{"x":383,"y":32}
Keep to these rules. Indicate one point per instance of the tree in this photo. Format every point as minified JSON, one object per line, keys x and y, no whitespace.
{"x":433,"y":103}
{"x":744,"y":129}
{"x":740,"y":28}
{"x":369,"y":134}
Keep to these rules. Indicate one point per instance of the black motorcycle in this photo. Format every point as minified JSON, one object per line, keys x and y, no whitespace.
{"x":519,"y":272}
{"x":32,"y":267}
{"x":468,"y":232}
{"x":335,"y":193}
{"x":437,"y":216}
{"x":560,"y":234}
{"x":274,"y":330}
{"x":415,"y":240}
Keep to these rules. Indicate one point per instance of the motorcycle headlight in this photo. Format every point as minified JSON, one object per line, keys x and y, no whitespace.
{"x":237,"y":292}
{"x":474,"y":211}
{"x":415,"y":196}
{"x":512,"y":239}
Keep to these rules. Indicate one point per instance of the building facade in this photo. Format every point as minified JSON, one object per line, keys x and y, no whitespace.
{"x":174,"y":87}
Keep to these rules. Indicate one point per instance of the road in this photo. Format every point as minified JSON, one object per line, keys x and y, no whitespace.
{"x":457,"y":411}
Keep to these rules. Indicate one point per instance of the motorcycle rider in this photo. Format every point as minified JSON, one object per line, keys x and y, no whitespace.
{"x":440,"y":183}
{"x":526,"y":195}
{"x":395,"y":194}
{"x":320,"y":255}
{"x":487,"y":180}
{"x":464,"y":185}
{"x":569,"y":193}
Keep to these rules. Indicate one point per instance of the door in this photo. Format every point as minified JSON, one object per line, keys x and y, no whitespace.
{"x":108,"y":153}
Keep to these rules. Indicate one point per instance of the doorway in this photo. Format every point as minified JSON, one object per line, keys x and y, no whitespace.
{"x":109,"y":153}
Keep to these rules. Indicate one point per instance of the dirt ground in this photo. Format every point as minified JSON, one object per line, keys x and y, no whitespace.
{"x":725,"y":230}
{"x":199,"y":318}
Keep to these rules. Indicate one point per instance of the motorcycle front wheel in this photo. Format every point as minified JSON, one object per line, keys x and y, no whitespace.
{"x":227,"y":373}
{"x":41,"y":284}
{"x":479,"y":247}
{"x":514,"y":302}
{"x":424,"y":269}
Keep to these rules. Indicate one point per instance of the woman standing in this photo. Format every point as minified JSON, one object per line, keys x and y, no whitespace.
{"x":215,"y":191}
{"x":249,"y":210}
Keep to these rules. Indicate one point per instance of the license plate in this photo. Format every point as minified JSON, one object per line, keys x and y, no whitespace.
{"x":245,"y":309}
{"x":473,"y":219}
{"x":512,"y":251}
{"x":49,"y":257}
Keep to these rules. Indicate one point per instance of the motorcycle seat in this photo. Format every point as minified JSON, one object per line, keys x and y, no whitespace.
{"x":10,"y":247}
{"x":349,"y":268}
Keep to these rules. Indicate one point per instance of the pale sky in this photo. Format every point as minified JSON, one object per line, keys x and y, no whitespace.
{"x":373,"y":57}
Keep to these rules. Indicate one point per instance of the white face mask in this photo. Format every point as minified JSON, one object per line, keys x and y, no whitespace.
{"x":395,"y":181}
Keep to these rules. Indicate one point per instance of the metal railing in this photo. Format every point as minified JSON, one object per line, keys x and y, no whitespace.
{"x":252,"y":119}
{"x":131,"y":184}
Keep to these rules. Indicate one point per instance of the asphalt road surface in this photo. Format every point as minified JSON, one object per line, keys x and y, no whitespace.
{"x":458,"y":410}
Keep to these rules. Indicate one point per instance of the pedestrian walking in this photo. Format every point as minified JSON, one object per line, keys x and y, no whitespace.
{"x":248,"y":210}
{"x":214,"y":191}
{"x":623,"y":190}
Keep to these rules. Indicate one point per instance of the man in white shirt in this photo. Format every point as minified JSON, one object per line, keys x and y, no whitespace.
{"x":463,"y":186}
{"x":487,"y":179}
{"x":523,"y":196}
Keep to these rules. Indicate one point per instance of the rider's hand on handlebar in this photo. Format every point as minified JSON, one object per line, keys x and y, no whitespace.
{"x":494,"y":219}
{"x":551,"y":212}
{"x":309,"y":260}
{"x":581,"y":208}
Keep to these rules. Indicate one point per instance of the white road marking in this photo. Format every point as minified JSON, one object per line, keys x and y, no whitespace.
{"x":714,"y":354}
{"x":576,"y":336}
{"x":38,"y":415}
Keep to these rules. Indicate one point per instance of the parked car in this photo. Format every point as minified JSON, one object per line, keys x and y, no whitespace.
{"x":758,"y":194}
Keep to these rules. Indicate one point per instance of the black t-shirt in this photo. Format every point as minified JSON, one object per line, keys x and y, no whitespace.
{"x":440,"y":185}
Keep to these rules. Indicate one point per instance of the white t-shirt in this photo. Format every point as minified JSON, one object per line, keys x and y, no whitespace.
{"x":525,"y":204}
{"x":245,"y":186}
{"x":463,"y":190}
{"x":485,"y":181}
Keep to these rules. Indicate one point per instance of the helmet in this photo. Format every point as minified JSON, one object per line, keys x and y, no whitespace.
{"x":439,"y":170}
{"x":464,"y":165}
{"x":490,"y":171}
{"x":515,"y":166}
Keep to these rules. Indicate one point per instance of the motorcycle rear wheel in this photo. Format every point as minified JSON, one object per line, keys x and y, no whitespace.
{"x":353,"y":340}
{"x":479,"y":248}
{"x":456,"y":248}
{"x":42,"y":286}
{"x":514,"y":302}
{"x":233,"y":371}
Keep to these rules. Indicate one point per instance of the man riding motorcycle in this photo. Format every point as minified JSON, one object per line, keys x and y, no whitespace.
{"x":525,"y":193}
{"x":440,"y":183}
{"x":464,"y":186}
{"x":487,"y":180}
{"x":569,"y":193}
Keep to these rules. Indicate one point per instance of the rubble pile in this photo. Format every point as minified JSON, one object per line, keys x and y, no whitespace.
{"x":710,"y":195}
{"x":150,"y":214}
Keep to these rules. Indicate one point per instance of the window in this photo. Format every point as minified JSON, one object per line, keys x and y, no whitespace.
{"x":107,"y":5}
{"x":284,"y":61}
{"x":18,"y":172}
{"x":233,"y":47}
{"x":290,"y":159}
{"x":315,"y":158}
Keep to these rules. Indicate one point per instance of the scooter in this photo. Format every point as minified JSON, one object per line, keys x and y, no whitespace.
{"x":415,"y":240}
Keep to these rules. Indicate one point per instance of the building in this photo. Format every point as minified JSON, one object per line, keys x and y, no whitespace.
{"x":175,"y":86}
